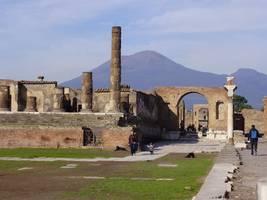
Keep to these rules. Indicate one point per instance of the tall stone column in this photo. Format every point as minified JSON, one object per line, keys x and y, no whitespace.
{"x":4,"y":98}
{"x":31,"y":105}
{"x":58,"y":100}
{"x":115,"y":72}
{"x":87,"y":92}
{"x":230,"y":87}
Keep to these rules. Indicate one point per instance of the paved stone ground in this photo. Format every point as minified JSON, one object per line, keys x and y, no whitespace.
{"x":186,"y":145}
{"x":215,"y":185}
{"x":253,"y":169}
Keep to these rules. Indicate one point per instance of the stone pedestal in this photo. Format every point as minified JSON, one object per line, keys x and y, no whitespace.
{"x":4,"y":98}
{"x":262,"y":189}
{"x":87,"y":92}
{"x":31,"y":105}
{"x":58,"y":100}
{"x":115,"y":72}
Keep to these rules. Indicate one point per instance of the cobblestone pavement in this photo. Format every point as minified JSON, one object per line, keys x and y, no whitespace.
{"x":253,"y":169}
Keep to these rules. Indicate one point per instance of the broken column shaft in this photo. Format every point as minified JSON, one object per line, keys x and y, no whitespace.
{"x":115,"y":72}
{"x":4,"y":98}
{"x":87,"y":92}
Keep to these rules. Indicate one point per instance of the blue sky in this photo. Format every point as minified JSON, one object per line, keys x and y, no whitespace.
{"x":61,"y":38}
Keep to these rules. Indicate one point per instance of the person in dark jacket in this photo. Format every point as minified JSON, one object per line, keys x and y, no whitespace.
{"x":253,"y":138}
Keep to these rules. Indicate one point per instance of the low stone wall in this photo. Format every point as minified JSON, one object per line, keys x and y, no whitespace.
{"x":23,"y":119}
{"x":40,"y":137}
{"x":253,"y":116}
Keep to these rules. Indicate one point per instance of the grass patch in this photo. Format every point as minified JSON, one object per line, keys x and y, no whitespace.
{"x":189,"y":172}
{"x":60,"y":153}
{"x":13,"y":166}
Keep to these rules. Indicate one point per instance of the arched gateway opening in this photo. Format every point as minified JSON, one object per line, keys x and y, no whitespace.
{"x":193,"y":113}
{"x":216,"y":108}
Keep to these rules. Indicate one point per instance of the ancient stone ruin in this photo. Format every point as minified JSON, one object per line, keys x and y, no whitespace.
{"x":42,"y":113}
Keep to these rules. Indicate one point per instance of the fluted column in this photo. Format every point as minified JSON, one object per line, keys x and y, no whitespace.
{"x":115,"y":72}
{"x":87,"y":92}
{"x":4,"y":98}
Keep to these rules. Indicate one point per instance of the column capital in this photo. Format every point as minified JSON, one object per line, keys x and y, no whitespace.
{"x":230,"y":90}
{"x":230,"y":86}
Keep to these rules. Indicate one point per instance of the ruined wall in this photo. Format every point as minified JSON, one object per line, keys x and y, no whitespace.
{"x":201,"y":115}
{"x":113,"y":137}
{"x":101,"y":98}
{"x":72,"y":100}
{"x":60,"y":129}
{"x":253,"y":116}
{"x":44,"y":92}
{"x":13,"y":89}
{"x":40,"y":137}
{"x":147,"y":107}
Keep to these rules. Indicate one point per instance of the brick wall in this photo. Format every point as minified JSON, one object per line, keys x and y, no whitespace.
{"x":115,"y":137}
{"x":41,"y":137}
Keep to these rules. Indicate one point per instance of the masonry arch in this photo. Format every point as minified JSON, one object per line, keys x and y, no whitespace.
{"x":192,"y":111}
{"x":173,"y":95}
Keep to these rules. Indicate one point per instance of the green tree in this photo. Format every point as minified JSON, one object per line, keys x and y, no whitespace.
{"x":240,"y":103}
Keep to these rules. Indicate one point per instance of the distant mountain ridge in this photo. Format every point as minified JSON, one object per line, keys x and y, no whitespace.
{"x":148,"y":69}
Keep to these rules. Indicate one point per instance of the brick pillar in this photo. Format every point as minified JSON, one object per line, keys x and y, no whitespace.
{"x":58,"y":100}
{"x":265,"y":115}
{"x":115,"y":72}
{"x":4,"y":98}
{"x":31,"y":105}
{"x":87,"y":92}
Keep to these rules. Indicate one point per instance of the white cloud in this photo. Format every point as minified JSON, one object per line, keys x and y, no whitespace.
{"x":62,"y":38}
{"x":218,"y":55}
{"x":235,"y":15}
{"x":54,"y":12}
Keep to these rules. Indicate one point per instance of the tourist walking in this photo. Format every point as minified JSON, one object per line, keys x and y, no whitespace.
{"x":133,"y":143}
{"x":253,"y":138}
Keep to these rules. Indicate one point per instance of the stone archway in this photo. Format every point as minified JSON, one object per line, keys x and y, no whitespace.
{"x":181,"y":99}
{"x":173,"y":95}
